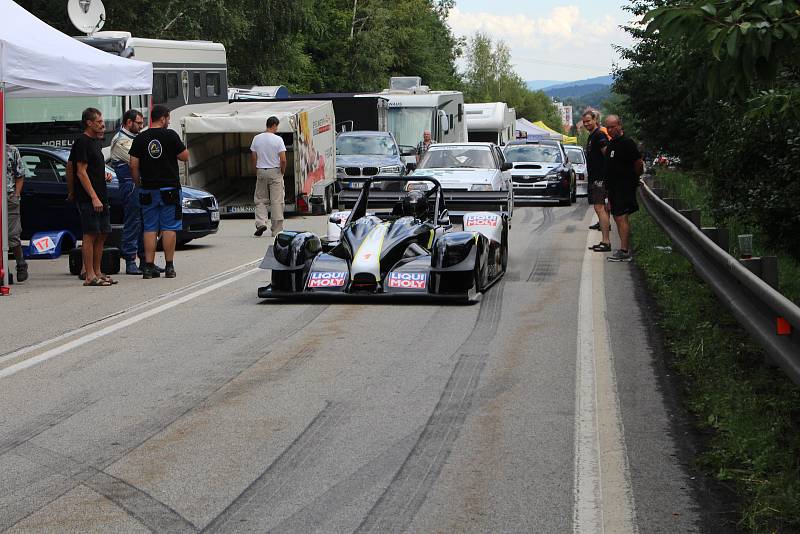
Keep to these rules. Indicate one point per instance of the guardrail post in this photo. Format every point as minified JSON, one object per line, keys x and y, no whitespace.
{"x":693,"y":215}
{"x":720,"y":236}
{"x":765,"y":268}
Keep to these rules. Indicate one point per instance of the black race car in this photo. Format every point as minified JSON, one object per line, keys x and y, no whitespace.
{"x":393,"y":243}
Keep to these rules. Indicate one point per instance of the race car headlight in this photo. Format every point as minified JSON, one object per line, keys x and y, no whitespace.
{"x":553,"y":177}
{"x":391,"y":169}
{"x":480,"y":187}
{"x":418,"y":186}
{"x":192,"y":204}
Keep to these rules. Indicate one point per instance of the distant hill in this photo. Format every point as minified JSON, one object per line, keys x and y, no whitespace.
{"x":599,"y":80}
{"x":535,"y":85}
{"x":576,"y":91}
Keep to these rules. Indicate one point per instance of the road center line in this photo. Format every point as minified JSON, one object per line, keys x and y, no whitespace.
{"x":603,"y":499}
{"x":124,"y":323}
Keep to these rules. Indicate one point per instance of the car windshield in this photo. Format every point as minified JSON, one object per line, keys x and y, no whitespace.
{"x":462,"y":157}
{"x":538,"y":153}
{"x":576,"y":155}
{"x":365,"y":145}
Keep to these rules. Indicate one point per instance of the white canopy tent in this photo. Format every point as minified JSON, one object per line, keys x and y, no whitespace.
{"x":36,"y":60}
{"x":524,"y":125}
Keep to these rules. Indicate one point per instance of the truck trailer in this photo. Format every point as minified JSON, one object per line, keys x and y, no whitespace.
{"x":218,"y":137}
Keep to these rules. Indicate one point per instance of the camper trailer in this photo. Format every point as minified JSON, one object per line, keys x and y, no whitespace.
{"x":490,"y":122}
{"x":414,"y":108}
{"x":218,"y":137}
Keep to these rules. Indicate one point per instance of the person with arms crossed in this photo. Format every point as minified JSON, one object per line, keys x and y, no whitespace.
{"x":154,"y":166}
{"x":425,"y":144}
{"x":91,"y":195}
{"x":624,"y":165}
{"x":132,"y":242}
{"x":268,"y":154}
{"x":595,"y":166}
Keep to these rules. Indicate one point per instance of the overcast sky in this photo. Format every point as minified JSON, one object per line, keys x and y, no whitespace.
{"x":549,"y":39}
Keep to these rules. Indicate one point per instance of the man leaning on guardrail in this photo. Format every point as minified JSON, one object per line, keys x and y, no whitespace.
{"x":624,"y":165}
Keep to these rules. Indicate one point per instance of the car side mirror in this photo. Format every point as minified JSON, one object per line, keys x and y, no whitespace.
{"x":411,"y":166}
{"x":505,"y":166}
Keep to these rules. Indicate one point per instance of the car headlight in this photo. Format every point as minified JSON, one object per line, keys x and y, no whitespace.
{"x":418,"y":186}
{"x":339,"y":170}
{"x":553,"y":177}
{"x":192,"y":204}
{"x":480,"y":187}
{"x":391,"y":169}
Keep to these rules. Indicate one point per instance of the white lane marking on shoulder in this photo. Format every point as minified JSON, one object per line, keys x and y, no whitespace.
{"x":116,"y":315}
{"x":603,"y":495}
{"x":25,"y":364}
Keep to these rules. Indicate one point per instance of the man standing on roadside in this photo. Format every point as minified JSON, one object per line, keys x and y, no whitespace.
{"x":91,"y":196}
{"x":268,"y":154}
{"x":132,"y":242}
{"x":15,"y":174}
{"x":595,"y":166}
{"x":624,"y":165}
{"x":154,"y":167}
{"x":425,"y":144}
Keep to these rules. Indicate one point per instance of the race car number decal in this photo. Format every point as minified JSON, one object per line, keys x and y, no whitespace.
{"x":327,"y":279}
{"x":481,"y":220}
{"x":44,"y":244}
{"x":408,"y":280}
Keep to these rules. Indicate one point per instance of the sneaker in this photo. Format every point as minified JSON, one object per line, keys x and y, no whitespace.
{"x":595,"y":226}
{"x":131,"y":267}
{"x":169,"y":272}
{"x":22,"y":272}
{"x":157,"y":268}
{"x":150,"y":271}
{"x":260,"y":231}
{"x":601,"y":247}
{"x":620,"y":255}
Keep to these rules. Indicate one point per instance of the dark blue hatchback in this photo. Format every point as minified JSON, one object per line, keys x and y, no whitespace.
{"x":45,"y":208}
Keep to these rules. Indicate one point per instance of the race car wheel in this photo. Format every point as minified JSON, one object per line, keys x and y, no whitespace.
{"x":504,"y":249}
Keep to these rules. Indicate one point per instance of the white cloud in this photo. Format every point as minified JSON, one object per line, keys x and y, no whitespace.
{"x":561,"y":43}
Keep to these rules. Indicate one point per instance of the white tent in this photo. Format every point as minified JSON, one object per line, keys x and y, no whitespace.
{"x":36,"y":60}
{"x":524,"y":125}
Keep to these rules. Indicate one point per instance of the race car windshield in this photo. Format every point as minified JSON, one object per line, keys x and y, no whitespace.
{"x":576,"y":156}
{"x":542,"y":154}
{"x":460,"y":157}
{"x":353,"y":145}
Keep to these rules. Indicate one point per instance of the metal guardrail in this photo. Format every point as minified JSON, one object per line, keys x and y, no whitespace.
{"x":755,"y":304}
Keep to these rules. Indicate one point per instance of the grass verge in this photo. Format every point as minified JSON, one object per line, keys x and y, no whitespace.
{"x":749,"y":412}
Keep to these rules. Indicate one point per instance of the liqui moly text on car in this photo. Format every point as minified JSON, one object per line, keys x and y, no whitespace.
{"x":407,"y":280}
{"x":327,"y":279}
{"x":484,"y":222}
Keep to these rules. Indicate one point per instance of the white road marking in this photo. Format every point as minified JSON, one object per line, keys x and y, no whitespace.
{"x":602,"y":490}
{"x":124,"y":323}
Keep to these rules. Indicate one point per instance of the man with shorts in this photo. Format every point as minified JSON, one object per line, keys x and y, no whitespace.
{"x":132,"y":242}
{"x":15,"y":174}
{"x":91,"y":196}
{"x":595,"y":166}
{"x":624,"y":165}
{"x":268,"y":154}
{"x":154,"y":166}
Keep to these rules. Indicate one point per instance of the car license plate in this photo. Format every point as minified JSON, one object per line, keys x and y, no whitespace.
{"x":214,"y":216}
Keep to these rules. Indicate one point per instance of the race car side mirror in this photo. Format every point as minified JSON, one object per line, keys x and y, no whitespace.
{"x":444,"y":219}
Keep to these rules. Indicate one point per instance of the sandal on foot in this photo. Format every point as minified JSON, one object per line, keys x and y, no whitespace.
{"x":107,"y":278}
{"x":97,"y":282}
{"x":601,"y":247}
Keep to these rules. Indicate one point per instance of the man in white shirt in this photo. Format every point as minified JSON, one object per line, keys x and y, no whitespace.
{"x":268,"y":153}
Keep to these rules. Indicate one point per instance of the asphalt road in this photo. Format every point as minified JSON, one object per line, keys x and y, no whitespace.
{"x":190,"y":405}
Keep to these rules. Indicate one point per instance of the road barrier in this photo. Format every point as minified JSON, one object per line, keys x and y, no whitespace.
{"x":772,"y":320}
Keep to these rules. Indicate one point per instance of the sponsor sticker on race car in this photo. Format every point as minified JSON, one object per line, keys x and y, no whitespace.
{"x":327,"y":279}
{"x":44,"y":244}
{"x":407,"y":280}
{"x":486,"y":219}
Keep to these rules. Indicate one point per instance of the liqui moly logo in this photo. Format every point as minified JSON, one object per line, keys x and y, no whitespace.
{"x":327,"y":279}
{"x":481,"y":220}
{"x":408,"y":280}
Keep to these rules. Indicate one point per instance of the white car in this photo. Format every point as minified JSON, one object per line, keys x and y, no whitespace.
{"x":578,"y":159}
{"x":466,"y":167}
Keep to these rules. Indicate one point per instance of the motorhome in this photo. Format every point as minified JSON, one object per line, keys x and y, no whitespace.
{"x":490,"y":122}
{"x":184,"y":72}
{"x":218,"y":137}
{"x":414,"y":108}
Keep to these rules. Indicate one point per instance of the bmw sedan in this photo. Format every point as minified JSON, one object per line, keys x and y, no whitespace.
{"x":44,"y":206}
{"x":541,"y":171}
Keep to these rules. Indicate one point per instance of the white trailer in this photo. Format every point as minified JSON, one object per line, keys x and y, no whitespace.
{"x":218,"y":137}
{"x":490,"y":122}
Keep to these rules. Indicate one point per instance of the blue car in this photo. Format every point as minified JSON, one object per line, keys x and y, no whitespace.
{"x":363,"y":154}
{"x":44,"y":205}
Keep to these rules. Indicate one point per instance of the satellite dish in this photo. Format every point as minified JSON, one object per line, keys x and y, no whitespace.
{"x":87,"y":15}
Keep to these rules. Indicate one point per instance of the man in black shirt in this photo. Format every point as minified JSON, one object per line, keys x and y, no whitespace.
{"x":154,"y":166}
{"x":91,"y":196}
{"x":624,"y":165}
{"x":595,"y":167}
